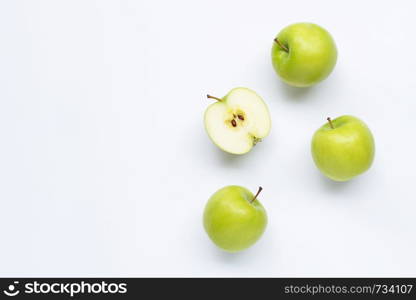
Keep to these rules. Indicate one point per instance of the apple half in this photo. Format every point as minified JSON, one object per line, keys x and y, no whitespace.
{"x":238,"y":121}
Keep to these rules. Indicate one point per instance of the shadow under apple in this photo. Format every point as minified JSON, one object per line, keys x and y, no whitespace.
{"x":233,"y":258}
{"x":292,"y":93}
{"x":335,"y":186}
{"x":233,"y":160}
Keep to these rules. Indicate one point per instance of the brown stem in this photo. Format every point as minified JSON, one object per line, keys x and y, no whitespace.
{"x":258,"y":192}
{"x":330,"y":122}
{"x":212,"y":97}
{"x":281,"y":45}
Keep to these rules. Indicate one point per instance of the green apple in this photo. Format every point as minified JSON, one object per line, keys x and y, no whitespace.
{"x":343,"y":148}
{"x":303,"y":54}
{"x":234,"y":219}
{"x":238,"y":121}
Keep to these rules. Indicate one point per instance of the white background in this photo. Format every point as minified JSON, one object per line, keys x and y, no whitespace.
{"x":105,"y":166}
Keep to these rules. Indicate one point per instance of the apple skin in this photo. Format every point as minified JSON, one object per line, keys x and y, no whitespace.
{"x":311,"y":58}
{"x":345,"y":151}
{"x":231,"y":221}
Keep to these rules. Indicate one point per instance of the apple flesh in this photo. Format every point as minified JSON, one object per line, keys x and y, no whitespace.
{"x":303,"y":54}
{"x":343,"y":148}
{"x":234,"y":219}
{"x":238,"y":121}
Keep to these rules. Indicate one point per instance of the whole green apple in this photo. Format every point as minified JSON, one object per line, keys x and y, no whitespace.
{"x":234,"y":219}
{"x":303,"y":54}
{"x":343,"y":148}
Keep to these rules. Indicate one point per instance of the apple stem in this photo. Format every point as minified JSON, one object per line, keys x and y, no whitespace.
{"x":330,"y":122}
{"x":212,"y":97}
{"x":281,"y":45}
{"x":258,"y":192}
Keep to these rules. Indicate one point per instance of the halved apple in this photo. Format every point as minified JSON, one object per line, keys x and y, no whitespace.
{"x":238,"y":121}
